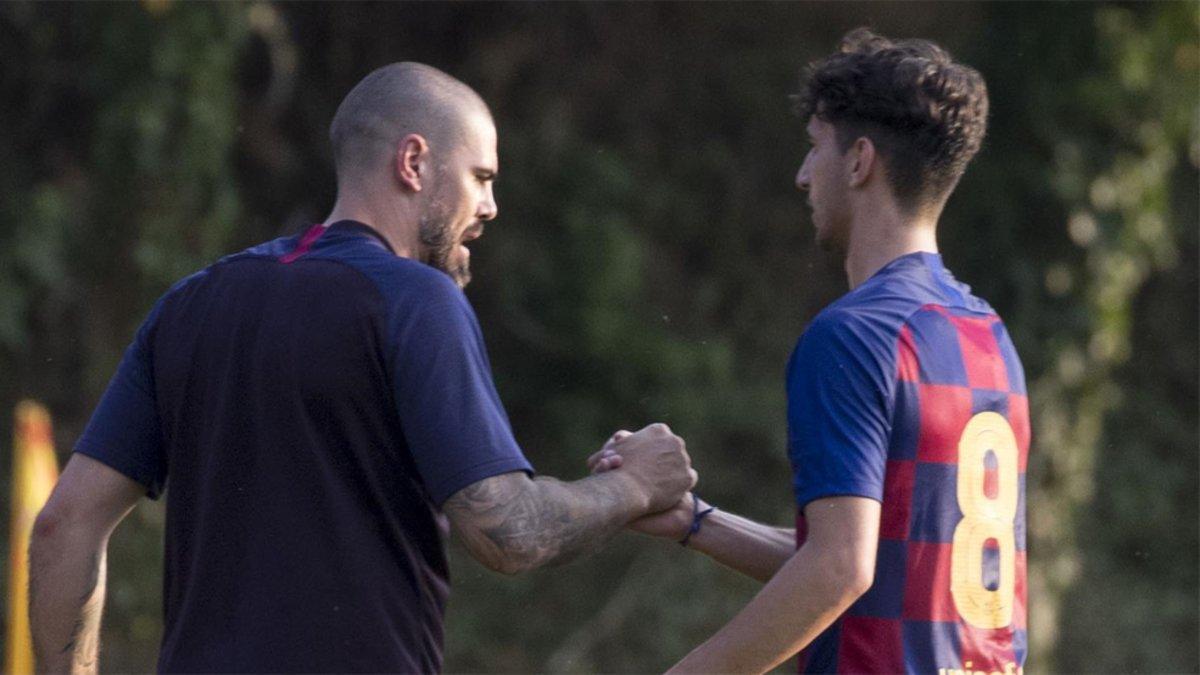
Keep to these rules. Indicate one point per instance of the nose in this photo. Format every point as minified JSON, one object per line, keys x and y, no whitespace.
{"x":488,"y":208}
{"x":803,"y":176}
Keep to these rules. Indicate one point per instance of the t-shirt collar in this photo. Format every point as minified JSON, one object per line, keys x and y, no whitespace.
{"x":917,"y":258}
{"x":353,"y":226}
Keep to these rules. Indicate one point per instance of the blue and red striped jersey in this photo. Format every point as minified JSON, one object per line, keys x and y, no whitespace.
{"x":908,"y":390}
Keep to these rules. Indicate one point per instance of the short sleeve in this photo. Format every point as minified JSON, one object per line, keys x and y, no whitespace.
{"x":839,"y":385}
{"x":124,"y":431}
{"x":453,"y":421}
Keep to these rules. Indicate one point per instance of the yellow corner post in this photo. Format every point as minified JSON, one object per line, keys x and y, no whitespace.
{"x":34,"y":472}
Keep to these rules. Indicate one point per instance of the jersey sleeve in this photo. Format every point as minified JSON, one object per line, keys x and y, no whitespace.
{"x":839,"y":385}
{"x":124,"y":431}
{"x":453,"y":421}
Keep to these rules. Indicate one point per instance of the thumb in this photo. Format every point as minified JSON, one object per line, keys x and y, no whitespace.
{"x":617,"y":438}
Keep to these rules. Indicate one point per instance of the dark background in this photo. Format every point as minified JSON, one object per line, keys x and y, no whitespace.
{"x":652,"y":261}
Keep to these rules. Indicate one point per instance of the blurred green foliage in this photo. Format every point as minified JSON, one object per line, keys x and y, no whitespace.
{"x":651,"y":262}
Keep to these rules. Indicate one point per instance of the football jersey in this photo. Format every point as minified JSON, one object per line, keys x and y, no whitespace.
{"x":908,"y":391}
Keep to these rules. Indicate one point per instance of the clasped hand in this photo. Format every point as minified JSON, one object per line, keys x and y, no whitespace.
{"x":673,"y":523}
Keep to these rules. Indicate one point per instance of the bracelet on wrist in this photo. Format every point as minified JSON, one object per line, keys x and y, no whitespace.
{"x":698,"y":517}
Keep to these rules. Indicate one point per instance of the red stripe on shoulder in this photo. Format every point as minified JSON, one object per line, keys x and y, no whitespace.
{"x":314,"y":233}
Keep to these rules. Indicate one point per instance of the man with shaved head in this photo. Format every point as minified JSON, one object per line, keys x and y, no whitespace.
{"x":446,"y":119}
{"x":322,"y":406}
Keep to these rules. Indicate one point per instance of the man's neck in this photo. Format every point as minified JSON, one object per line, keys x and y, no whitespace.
{"x":398,"y":228}
{"x":877,"y":243}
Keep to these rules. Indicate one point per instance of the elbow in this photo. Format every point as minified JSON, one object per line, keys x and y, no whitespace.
{"x":49,"y":524}
{"x":500,"y":552}
{"x":859,"y":580}
{"x":855,"y":576}
{"x":48,"y":538}
{"x":508,"y":561}
{"x":508,"y":567}
{"x":61,"y":521}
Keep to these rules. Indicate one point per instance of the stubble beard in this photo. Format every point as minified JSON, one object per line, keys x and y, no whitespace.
{"x":435,"y":230}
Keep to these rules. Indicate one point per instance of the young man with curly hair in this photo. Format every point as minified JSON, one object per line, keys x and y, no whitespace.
{"x":907,"y":416}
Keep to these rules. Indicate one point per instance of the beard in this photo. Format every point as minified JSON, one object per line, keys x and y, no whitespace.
{"x":436,"y":232}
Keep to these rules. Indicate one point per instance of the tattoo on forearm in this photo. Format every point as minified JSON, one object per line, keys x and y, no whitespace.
{"x":517,"y":524}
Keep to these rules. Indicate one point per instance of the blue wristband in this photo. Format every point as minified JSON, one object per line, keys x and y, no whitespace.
{"x":697,"y":517}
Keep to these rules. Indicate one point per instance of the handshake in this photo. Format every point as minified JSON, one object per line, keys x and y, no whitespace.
{"x":657,"y":462}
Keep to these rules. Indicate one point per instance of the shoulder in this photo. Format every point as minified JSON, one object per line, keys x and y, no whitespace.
{"x":875,"y":312}
{"x":413,"y":289}
{"x":418,"y":305}
{"x":856,"y":337}
{"x":399,"y":280}
{"x":870,"y":322}
{"x":177,"y":289}
{"x":194,"y":281}
{"x":835,"y":325}
{"x":267,"y":249}
{"x":841,"y":345}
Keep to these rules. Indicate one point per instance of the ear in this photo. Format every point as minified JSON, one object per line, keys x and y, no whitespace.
{"x":412,"y":153}
{"x":863,"y":161}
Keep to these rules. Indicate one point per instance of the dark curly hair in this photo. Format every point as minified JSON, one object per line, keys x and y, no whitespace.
{"x":926,"y":114}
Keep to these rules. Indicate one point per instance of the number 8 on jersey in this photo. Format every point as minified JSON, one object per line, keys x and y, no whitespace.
{"x":988,"y":516}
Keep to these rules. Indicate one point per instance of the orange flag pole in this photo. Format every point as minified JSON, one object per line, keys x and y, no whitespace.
{"x":34,"y":472}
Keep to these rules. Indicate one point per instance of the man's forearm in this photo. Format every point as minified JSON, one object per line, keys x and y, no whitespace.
{"x":66,"y":598}
{"x":513,"y":524}
{"x":803,"y":599}
{"x":753,"y":549}
{"x":833,"y":568}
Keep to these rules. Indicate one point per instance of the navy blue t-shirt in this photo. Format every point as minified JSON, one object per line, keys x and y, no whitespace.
{"x":311,"y":402}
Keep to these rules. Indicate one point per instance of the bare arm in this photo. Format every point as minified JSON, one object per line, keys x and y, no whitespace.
{"x":67,"y":563}
{"x":754,"y":549}
{"x":831,"y":570}
{"x":513,"y":523}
